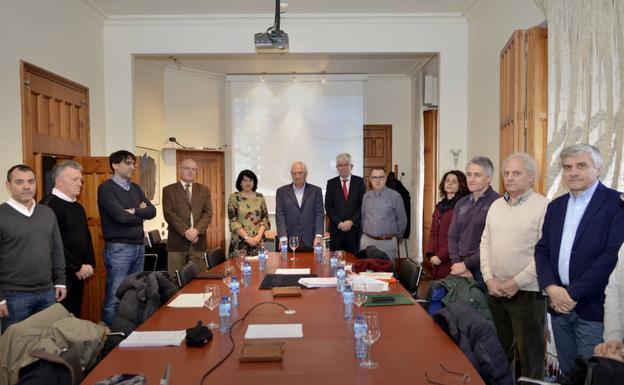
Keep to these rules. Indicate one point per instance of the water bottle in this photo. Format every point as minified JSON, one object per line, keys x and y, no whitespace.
{"x":284,"y":249}
{"x":318,"y":253}
{"x":347,"y":298}
{"x":262,"y":257}
{"x":359,"y":328}
{"x":225,"y":312}
{"x":234,"y":289}
{"x":333,"y":263}
{"x":246,"y":274}
{"x":341,"y":279}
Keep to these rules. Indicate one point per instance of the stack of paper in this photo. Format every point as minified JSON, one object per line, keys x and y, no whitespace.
{"x":274,"y":331}
{"x":318,"y":281}
{"x":292,"y":271}
{"x":153,"y":339}
{"x":188,"y":300}
{"x":366,"y":283}
{"x":382,"y":276}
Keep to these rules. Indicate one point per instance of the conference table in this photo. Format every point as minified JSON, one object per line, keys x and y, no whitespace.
{"x":410,"y":344}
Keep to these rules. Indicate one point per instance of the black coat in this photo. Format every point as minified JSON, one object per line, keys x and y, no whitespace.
{"x":477,"y":339}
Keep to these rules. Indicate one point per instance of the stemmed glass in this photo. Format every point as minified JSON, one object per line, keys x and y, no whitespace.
{"x":359,"y":297}
{"x":294,"y":243}
{"x":212,"y":298}
{"x":370,"y":336}
{"x":228,"y":273}
{"x":242,"y":257}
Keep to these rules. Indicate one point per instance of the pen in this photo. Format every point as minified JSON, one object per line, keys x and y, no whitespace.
{"x":165,"y":379}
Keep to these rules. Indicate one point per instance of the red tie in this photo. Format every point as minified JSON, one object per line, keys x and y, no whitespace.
{"x":345,"y":192}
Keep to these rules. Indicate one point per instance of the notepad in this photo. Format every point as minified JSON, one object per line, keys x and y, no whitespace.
{"x":188,"y":300}
{"x":318,"y":281}
{"x":274,"y":331}
{"x":153,"y":339}
{"x":292,"y":271}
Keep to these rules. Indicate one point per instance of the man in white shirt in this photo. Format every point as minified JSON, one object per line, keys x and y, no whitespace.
{"x":32,"y":265}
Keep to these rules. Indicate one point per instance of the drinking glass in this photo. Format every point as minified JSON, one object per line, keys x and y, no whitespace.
{"x":372,"y":334}
{"x":359,"y":297}
{"x":294,"y":243}
{"x":340,"y":254}
{"x":212,"y":298}
{"x":228,"y":273}
{"x":242,"y":257}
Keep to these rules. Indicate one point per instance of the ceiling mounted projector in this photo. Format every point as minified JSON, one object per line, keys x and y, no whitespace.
{"x":274,"y":40}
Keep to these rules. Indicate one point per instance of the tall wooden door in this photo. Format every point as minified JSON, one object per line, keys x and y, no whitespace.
{"x":55,"y":117}
{"x":430,"y":192}
{"x":95,"y":171}
{"x":377,"y":147}
{"x":210,"y":173}
{"x":524,"y":98}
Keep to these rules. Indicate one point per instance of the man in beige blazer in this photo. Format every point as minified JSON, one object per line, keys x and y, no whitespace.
{"x":188,"y":213}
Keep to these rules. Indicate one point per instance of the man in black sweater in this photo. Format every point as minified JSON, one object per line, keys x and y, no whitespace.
{"x":72,"y":222}
{"x":32,"y":266}
{"x":123,"y":208}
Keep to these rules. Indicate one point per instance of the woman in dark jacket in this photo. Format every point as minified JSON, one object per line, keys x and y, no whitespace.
{"x":452,"y":187}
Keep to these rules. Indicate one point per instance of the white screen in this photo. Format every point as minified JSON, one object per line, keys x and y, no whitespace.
{"x":275,"y":123}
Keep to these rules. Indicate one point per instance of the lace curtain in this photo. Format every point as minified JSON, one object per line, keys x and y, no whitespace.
{"x":585,"y":90}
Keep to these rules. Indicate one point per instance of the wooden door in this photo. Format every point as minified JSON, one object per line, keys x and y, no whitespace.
{"x":430,"y":192}
{"x":210,"y":173}
{"x":524,"y":98}
{"x":95,"y":171}
{"x":377,"y":147}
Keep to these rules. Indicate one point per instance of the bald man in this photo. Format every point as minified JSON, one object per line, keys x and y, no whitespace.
{"x":299,"y":209}
{"x":188,"y":212}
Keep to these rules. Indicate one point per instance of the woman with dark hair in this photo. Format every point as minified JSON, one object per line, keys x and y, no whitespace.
{"x":249,"y":217}
{"x":453,"y":186}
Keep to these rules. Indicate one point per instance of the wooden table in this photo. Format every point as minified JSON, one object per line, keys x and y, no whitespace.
{"x":410,"y":344}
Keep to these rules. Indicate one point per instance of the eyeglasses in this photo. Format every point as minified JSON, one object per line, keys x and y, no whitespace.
{"x":377,"y":177}
{"x":465,"y":377}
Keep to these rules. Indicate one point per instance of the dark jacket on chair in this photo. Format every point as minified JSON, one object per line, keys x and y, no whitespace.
{"x":140,"y":295}
{"x":476,"y":337}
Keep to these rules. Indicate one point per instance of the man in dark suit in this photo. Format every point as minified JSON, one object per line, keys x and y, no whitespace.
{"x":299,"y":209}
{"x":188,"y":212}
{"x":582,"y":233}
{"x":343,"y":203}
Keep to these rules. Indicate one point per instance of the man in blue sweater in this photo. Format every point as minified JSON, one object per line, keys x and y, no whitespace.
{"x":123,"y":208}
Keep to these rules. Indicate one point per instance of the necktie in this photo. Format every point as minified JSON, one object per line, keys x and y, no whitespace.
{"x":187,"y":189}
{"x":345,"y":192}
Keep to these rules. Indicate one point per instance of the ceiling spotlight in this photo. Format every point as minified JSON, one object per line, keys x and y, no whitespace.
{"x":323,"y":79}
{"x":294,"y":78}
{"x":263,"y":78}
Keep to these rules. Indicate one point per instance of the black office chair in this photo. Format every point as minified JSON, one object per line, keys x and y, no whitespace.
{"x":409,"y":275}
{"x":215,"y":257}
{"x":186,"y":273}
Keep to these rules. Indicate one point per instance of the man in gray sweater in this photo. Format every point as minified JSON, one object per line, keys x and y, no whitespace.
{"x":32,"y":264}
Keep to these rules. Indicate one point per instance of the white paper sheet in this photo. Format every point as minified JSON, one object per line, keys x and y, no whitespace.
{"x":292,"y":271}
{"x":365,"y":283}
{"x":153,"y":339}
{"x":188,"y":300}
{"x":251,"y":258}
{"x":274,"y":331}
{"x":318,"y":281}
{"x":379,"y":274}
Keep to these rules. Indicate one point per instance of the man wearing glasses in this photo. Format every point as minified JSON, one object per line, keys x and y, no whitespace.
{"x":123,"y":208}
{"x":383,"y":215}
{"x":188,"y":212}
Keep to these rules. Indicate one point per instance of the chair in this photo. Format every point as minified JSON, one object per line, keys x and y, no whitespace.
{"x":215,"y":257}
{"x":409,"y":275}
{"x":187,"y":273}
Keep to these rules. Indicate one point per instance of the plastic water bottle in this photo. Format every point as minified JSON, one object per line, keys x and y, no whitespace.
{"x":225,"y":313}
{"x":318,"y":253}
{"x":284,"y":250}
{"x":262,"y":257}
{"x":333,"y":263}
{"x":234,"y":289}
{"x":359,"y":328}
{"x":246,"y":274}
{"x":341,"y":279}
{"x":347,"y":298}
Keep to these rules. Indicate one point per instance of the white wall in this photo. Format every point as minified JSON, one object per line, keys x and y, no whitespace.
{"x":61,"y":36}
{"x":490,"y":26}
{"x":388,"y":100}
{"x":149,"y":120}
